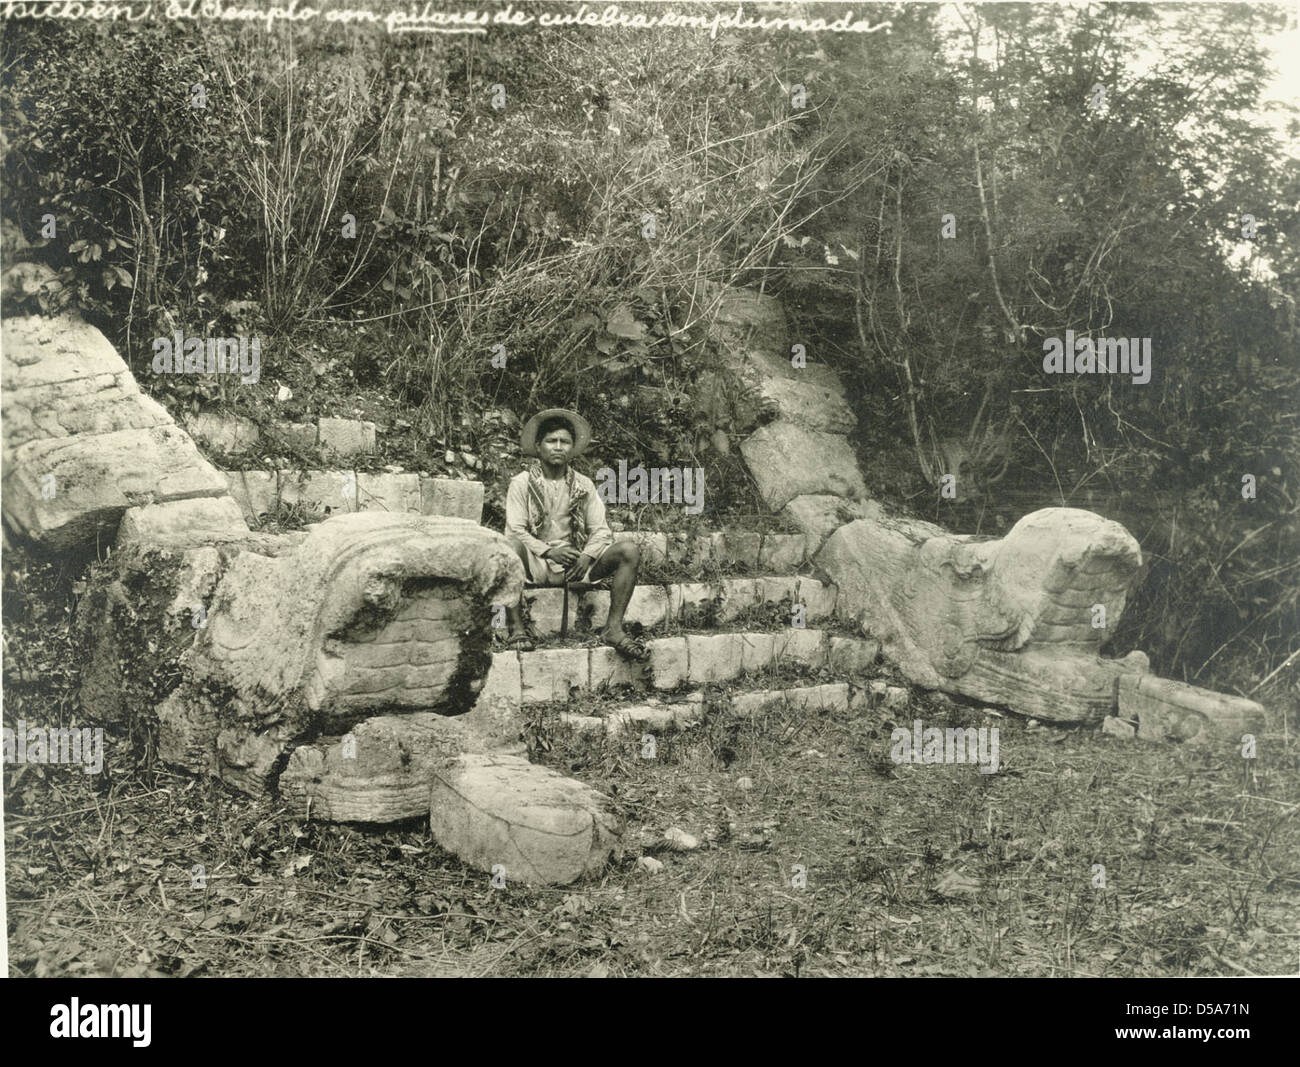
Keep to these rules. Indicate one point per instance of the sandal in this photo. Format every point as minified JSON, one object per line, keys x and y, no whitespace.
{"x":520,"y":642}
{"x":631,"y":647}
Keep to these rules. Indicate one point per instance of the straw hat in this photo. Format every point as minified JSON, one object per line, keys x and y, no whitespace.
{"x":581,"y":428}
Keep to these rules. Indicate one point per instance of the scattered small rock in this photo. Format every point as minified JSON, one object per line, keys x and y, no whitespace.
{"x":650,"y":865}
{"x":677,"y":838}
{"x":896,"y":696}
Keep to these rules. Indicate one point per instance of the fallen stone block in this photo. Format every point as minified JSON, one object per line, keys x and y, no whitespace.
{"x":641,"y":717}
{"x":748,"y":704}
{"x":815,"y":404}
{"x":382,"y":770}
{"x":1166,"y":710}
{"x":502,"y":814}
{"x":66,"y":491}
{"x":501,"y":696}
{"x":1126,"y":731}
{"x":183,"y":522}
{"x":788,"y":461}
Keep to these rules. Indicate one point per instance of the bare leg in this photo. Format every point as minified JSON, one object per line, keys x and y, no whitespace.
{"x":514,"y":612}
{"x":622,"y":559}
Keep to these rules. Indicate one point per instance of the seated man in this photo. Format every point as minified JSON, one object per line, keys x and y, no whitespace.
{"x":556,"y":522}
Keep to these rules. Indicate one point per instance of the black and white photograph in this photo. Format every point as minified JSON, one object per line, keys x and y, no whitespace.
{"x":545,"y":489}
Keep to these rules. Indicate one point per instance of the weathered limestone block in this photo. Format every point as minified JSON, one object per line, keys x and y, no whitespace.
{"x":789,"y":461}
{"x":452,"y":497}
{"x":364,"y":614}
{"x":398,"y":493}
{"x":648,"y":606}
{"x":1005,"y":621}
{"x":553,"y":673}
{"x":781,"y":553}
{"x":334,"y":492}
{"x":347,"y":437}
{"x":383,"y":769}
{"x":818,"y":598}
{"x":223,"y":433}
{"x":833,"y":696}
{"x":807,"y":648}
{"x":1166,"y":710}
{"x":546,"y":606}
{"x":256,"y":492}
{"x":741,"y":547}
{"x":668,"y":662}
{"x":714,"y":657}
{"x":738,"y":595}
{"x":816,"y":403}
{"x":81,"y":442}
{"x":609,"y":669}
{"x":183,"y":522}
{"x":819,"y":515}
{"x":502,"y":692}
{"x":776,"y":589}
{"x":690,"y":599}
{"x":756,"y":651}
{"x":852,"y":655}
{"x":542,"y":828}
{"x":647,"y":717}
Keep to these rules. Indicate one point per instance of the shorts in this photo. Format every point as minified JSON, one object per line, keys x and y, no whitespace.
{"x":538,"y":571}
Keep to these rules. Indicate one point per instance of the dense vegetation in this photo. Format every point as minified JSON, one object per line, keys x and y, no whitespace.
{"x":1097,"y":164}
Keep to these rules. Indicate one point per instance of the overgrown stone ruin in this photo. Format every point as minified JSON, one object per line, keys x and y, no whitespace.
{"x":347,"y":670}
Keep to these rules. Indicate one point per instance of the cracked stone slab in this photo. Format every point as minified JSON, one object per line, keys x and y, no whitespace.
{"x":504,"y":815}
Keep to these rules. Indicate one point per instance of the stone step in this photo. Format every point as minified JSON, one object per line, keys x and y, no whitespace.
{"x":658,"y":715}
{"x":548,"y":675}
{"x":655,"y":605}
{"x":776,"y":552}
{"x":259,"y":492}
{"x":235,"y":434}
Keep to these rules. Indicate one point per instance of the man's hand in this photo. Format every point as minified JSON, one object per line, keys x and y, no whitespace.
{"x":579,"y":568}
{"x":564,"y":555}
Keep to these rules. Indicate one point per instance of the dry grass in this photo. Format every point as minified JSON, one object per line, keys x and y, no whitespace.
{"x":911,"y":870}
